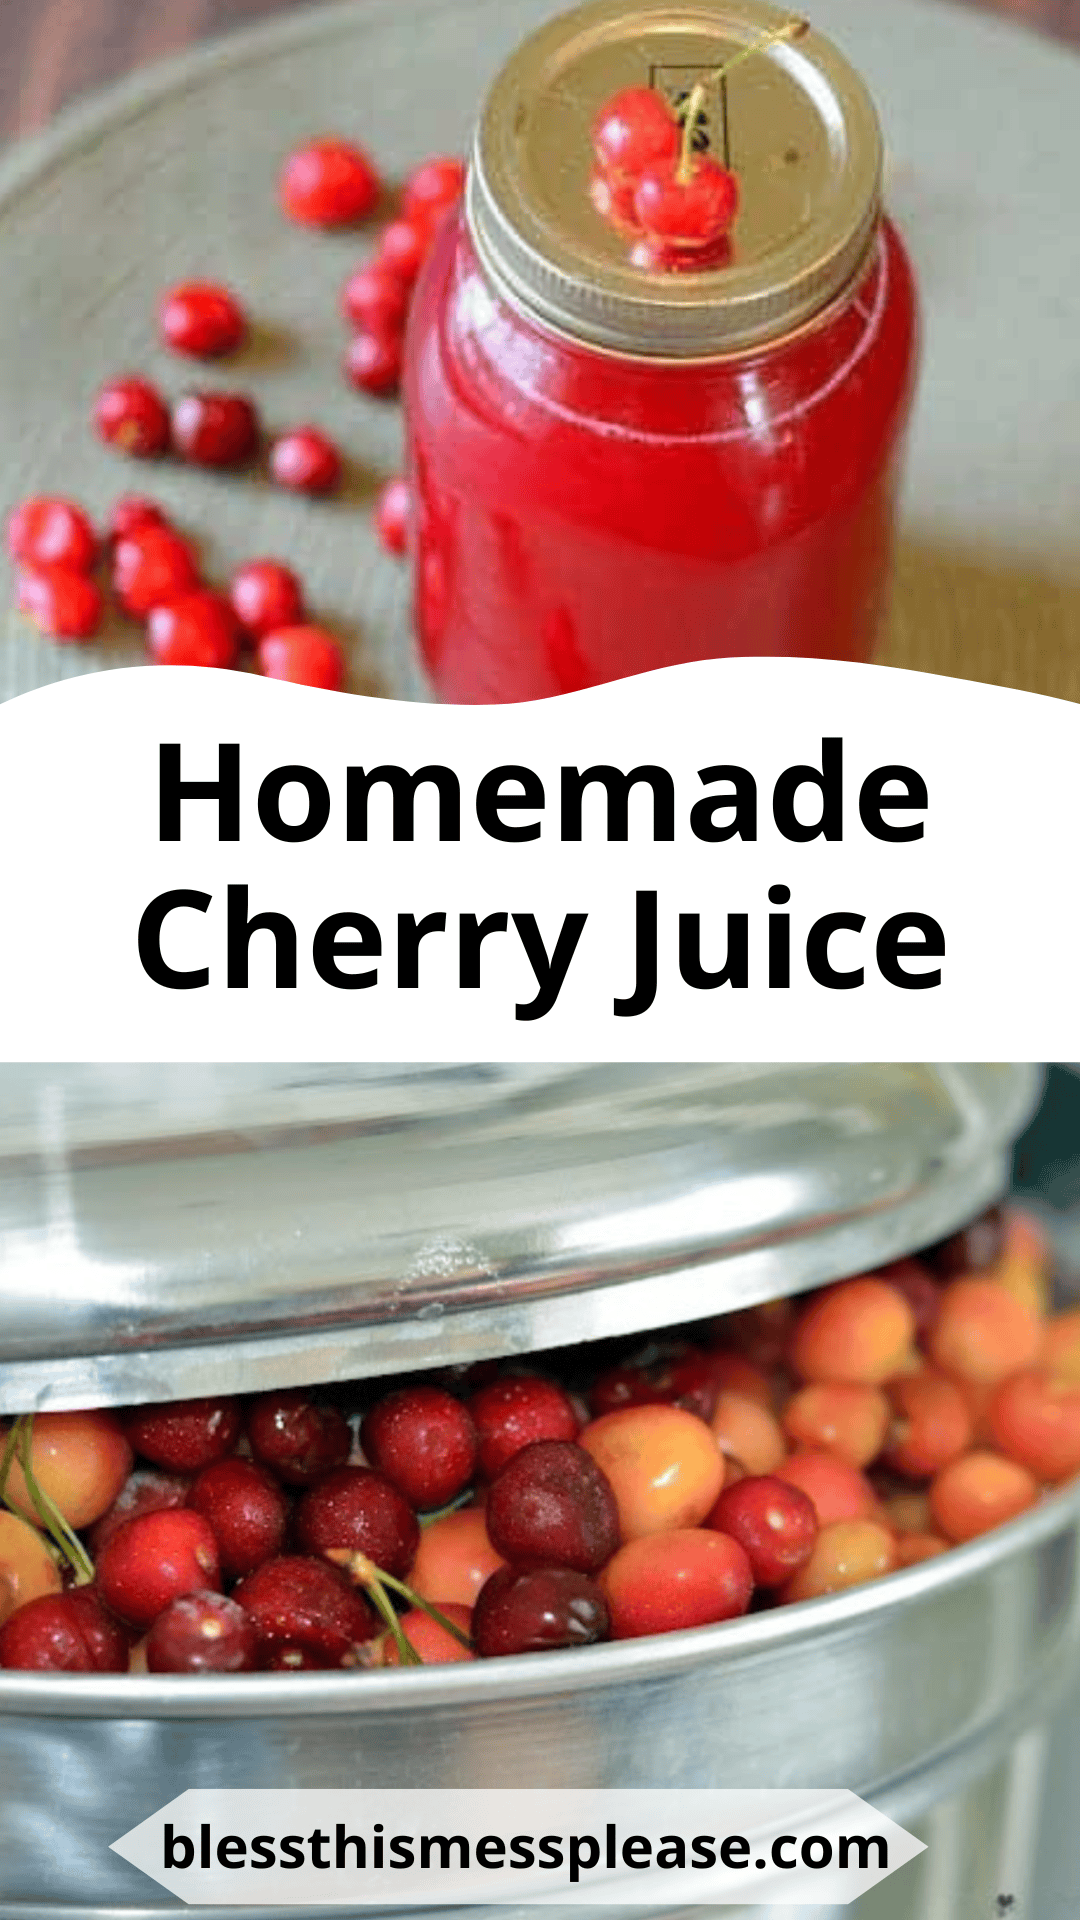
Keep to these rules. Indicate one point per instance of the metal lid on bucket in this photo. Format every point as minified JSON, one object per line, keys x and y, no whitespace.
{"x":173,"y":1231}
{"x":794,"y":122}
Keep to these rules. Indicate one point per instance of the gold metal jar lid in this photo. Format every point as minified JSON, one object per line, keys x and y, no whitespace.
{"x":794,"y":122}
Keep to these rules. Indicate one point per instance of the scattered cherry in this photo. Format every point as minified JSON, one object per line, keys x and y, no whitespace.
{"x":201,"y":319}
{"x":668,"y":1581}
{"x":266,"y":595}
{"x":247,"y":1510}
{"x":746,"y":1431}
{"x":531,"y":1610}
{"x":184,"y":1435}
{"x":551,"y":1505}
{"x":305,"y":1612}
{"x":62,"y":604}
{"x":982,"y":1333}
{"x":392,"y":511}
{"x":375,"y":299}
{"x":202,"y":1633}
{"x":423,"y":1440}
{"x":356,"y":1510}
{"x":930,"y":1424}
{"x":403,"y":247}
{"x":838,"y":1491}
{"x":154,"y":1560}
{"x":215,"y":429}
{"x":1035,"y":1419}
{"x":433,"y":187}
{"x":373,"y":362}
{"x":132,"y":513}
{"x":306,"y":461}
{"x":46,"y":531}
{"x":296,"y":1436}
{"x":328,"y":183}
{"x":840,"y":1417}
{"x":198,"y":629}
{"x":309,"y":656}
{"x":512,"y":1412}
{"x":151,"y":567}
{"x":64,"y":1633}
{"x":130,"y":415}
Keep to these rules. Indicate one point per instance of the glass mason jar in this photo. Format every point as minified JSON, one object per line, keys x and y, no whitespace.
{"x":618,"y":466}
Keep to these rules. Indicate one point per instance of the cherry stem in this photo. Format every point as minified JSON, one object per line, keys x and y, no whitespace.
{"x":375,"y":1582}
{"x":792,"y":29}
{"x":19,"y":1442}
{"x":452,"y":1506}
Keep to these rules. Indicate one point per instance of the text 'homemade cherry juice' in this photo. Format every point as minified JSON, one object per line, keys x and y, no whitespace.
{"x":628,"y":449}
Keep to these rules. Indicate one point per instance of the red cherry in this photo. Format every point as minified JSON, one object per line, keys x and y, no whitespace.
{"x":306,"y":1614}
{"x":673,"y":256}
{"x":64,"y":1633}
{"x":144,"y":1491}
{"x":552,"y":1506}
{"x":152,"y":567}
{"x":266,"y":595}
{"x":309,"y":656}
{"x":373,"y":362}
{"x":433,"y":187}
{"x":184,"y":1435}
{"x":971,"y":1249}
{"x":202,"y":1633}
{"x":531,"y":1610}
{"x":635,"y":129}
{"x":328,"y":183}
{"x":132,"y":513}
{"x":46,"y":531}
{"x":424,"y":1441}
{"x":197,"y":630}
{"x":375,"y":299}
{"x":512,"y":1412}
{"x":154,"y":1560}
{"x":356,"y":1510}
{"x":920,"y":1290}
{"x":668,"y":1581}
{"x":774,"y":1522}
{"x":297,"y":1437}
{"x":130,"y":415}
{"x":306,"y":461}
{"x":215,"y":429}
{"x":247,"y":1510}
{"x":65,"y":605}
{"x":693,"y":212}
{"x":404,"y":245}
{"x":392,"y":510}
{"x":201,"y":319}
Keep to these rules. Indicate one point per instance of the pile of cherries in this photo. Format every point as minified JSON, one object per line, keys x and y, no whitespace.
{"x":610,"y":1491}
{"x":155,"y":573}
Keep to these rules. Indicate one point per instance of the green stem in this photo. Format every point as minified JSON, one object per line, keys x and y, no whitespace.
{"x":379,"y":1597}
{"x":425,"y":1606}
{"x":790,"y":30}
{"x":19,"y":1442}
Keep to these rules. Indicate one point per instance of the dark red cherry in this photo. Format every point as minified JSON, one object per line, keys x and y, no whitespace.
{"x":202,"y":1633}
{"x":69,"y":1632}
{"x":247,"y":1510}
{"x":424,"y":1441}
{"x":184,"y":1435}
{"x":306,"y":1614}
{"x":533,"y":1610}
{"x":552,"y":1506}
{"x":296,"y":1437}
{"x":356,"y":1510}
{"x":512,"y":1412}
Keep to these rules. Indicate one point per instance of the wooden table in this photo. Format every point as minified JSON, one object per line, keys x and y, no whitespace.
{"x":53,"y":50}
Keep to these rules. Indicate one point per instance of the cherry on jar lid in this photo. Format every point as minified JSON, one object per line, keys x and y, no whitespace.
{"x":794,"y":122}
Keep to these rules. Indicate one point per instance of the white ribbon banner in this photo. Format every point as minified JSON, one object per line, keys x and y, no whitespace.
{"x":415,"y":1847}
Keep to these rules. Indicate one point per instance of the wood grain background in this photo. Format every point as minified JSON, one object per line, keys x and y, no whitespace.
{"x":53,"y":50}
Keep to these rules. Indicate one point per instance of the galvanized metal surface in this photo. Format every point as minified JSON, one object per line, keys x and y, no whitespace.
{"x":337,"y":1223}
{"x":908,"y":1690}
